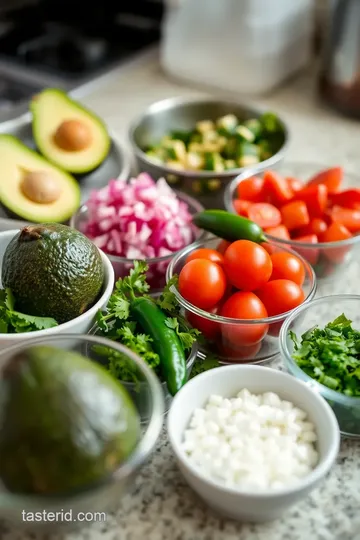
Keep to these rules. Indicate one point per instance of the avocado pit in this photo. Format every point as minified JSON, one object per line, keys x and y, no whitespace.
{"x":73,"y":136}
{"x":40,"y":187}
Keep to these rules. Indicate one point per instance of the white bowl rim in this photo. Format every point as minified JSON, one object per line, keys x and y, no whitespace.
{"x":321,"y":469}
{"x":109,"y":281}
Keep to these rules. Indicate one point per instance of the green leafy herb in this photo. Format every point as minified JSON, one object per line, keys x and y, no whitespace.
{"x":331,"y":355}
{"x":14,"y":322}
{"x":117,"y":323}
{"x":201,"y":365}
{"x":187,"y":338}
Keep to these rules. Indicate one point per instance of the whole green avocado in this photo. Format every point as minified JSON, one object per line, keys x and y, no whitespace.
{"x":53,"y":271}
{"x":65,"y":422}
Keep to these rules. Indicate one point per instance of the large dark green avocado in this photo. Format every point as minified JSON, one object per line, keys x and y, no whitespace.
{"x":65,"y":422}
{"x":53,"y":271}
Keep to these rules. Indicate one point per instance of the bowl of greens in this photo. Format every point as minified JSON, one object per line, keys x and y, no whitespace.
{"x":320,"y":344}
{"x":200,"y":145}
{"x":153,"y":328}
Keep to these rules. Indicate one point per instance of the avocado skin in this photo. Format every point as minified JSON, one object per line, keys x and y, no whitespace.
{"x":53,"y":271}
{"x":65,"y":422}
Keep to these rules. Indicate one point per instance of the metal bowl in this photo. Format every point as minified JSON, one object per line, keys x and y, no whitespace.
{"x":179,"y":113}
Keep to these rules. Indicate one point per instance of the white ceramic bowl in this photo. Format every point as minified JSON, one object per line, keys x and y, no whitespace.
{"x":79,"y":325}
{"x":227,"y":381}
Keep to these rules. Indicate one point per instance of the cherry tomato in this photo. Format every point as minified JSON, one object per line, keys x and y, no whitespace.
{"x":280,"y":296}
{"x":311,"y":255}
{"x":264,"y":214}
{"x":243,"y":305}
{"x":348,"y":199}
{"x":315,"y":197}
{"x":335,"y":233}
{"x":251,"y":189}
{"x":316,"y":226}
{"x":276,"y":188}
{"x":295,"y":215}
{"x":209,"y":329}
{"x":205,"y":253}
{"x":287,"y":266}
{"x":347,"y":217}
{"x":331,"y":178}
{"x":247,"y":265}
{"x":222,"y":247}
{"x":279,"y":232}
{"x":239,"y":354}
{"x":295,"y":184}
{"x":202,"y":282}
{"x":242,"y":207}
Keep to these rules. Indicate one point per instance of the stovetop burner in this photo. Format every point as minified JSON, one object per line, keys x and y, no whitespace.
{"x":45,"y":37}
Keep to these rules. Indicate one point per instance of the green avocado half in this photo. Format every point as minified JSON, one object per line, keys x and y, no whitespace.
{"x":18,"y":163}
{"x":66,"y":422}
{"x":68,"y":134}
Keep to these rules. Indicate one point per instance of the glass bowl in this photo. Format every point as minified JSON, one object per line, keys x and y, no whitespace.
{"x":320,"y":312}
{"x":133,"y":387}
{"x":256,"y":339}
{"x":157,"y":265}
{"x":106,"y":494}
{"x":329,"y":259}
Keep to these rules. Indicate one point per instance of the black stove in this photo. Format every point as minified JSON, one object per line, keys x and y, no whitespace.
{"x":68,"y":43}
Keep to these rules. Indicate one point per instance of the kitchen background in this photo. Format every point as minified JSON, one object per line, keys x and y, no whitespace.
{"x":238,"y":46}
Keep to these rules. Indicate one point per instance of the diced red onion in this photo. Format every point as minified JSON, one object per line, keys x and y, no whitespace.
{"x":139,"y":219}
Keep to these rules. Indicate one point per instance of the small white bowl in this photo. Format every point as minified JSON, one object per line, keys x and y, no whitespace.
{"x":79,"y":325}
{"x":227,"y":381}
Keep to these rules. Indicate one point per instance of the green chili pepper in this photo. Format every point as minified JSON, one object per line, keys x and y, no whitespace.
{"x":229,"y":226}
{"x":165,"y":342}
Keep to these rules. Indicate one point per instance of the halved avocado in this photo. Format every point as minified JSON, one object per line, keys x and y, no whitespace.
{"x":68,"y":134}
{"x":32,"y":188}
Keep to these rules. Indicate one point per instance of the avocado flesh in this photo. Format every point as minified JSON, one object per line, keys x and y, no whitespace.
{"x":49,"y":109}
{"x":66,"y":422}
{"x":52,"y":271}
{"x":15,"y":160}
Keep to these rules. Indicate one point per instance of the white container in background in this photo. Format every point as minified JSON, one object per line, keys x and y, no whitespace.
{"x":242,"y":46}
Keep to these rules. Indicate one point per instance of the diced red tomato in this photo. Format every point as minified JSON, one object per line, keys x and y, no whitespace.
{"x":315,"y":197}
{"x":276,"y":188}
{"x":264,"y":214}
{"x":295,"y":215}
{"x":349,"y":198}
{"x":251,"y":189}
{"x":311,"y":255}
{"x":347,"y":217}
{"x":279,"y":232}
{"x":335,"y":233}
{"x":242,"y":207}
{"x":331,"y":178}
{"x":295,"y":184}
{"x":316,"y":226}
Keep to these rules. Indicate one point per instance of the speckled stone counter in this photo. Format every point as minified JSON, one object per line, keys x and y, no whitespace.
{"x":162,"y":507}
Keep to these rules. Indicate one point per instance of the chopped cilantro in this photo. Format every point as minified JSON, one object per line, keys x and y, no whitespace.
{"x":331,"y":355}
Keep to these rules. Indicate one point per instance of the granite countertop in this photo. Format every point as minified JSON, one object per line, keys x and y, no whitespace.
{"x":162,"y":507}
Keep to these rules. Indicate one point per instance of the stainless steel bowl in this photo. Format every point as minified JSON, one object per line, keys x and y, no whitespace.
{"x":179,"y":113}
